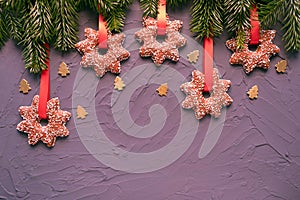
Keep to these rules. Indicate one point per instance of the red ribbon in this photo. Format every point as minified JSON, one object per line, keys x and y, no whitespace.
{"x":44,"y":87}
{"x":255,"y":27}
{"x":208,"y":56}
{"x":161,"y":17}
{"x":102,"y":33}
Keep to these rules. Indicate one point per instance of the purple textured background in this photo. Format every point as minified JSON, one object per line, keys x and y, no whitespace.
{"x":257,"y":156}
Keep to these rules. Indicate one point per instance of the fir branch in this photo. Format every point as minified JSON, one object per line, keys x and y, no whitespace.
{"x":15,"y":5}
{"x":124,"y":3}
{"x":65,"y":20}
{"x":14,"y":26}
{"x":35,"y":55}
{"x":288,"y":12}
{"x":270,"y":13}
{"x":176,"y":3}
{"x":113,"y":11}
{"x":206,"y":18}
{"x":38,"y":22}
{"x":149,"y":7}
{"x":115,"y":21}
{"x":37,"y":26}
{"x":106,"y":6}
{"x":4,"y":36}
{"x":292,"y":25}
{"x":116,"y":17}
{"x":237,"y":18}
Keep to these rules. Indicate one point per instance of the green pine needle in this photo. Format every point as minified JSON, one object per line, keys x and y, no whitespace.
{"x":38,"y":27}
{"x":4,"y":36}
{"x":116,"y":20}
{"x":291,"y":26}
{"x":237,"y":18}
{"x":206,"y":18}
{"x":65,"y":20}
{"x":176,"y":3}
{"x":35,"y":55}
{"x":271,"y":12}
{"x":149,"y":7}
{"x":286,"y":11}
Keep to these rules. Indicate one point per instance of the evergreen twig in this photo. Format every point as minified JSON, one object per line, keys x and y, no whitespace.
{"x":149,"y":7}
{"x":176,"y":3}
{"x":65,"y":21}
{"x":4,"y":36}
{"x":288,"y":12}
{"x":206,"y":18}
{"x":237,"y":18}
{"x":38,"y":27}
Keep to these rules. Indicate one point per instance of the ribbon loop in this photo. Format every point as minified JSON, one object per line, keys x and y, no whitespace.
{"x":255,"y":27}
{"x":102,"y":32}
{"x":44,"y":87}
{"x":208,"y":55}
{"x":161,"y":17}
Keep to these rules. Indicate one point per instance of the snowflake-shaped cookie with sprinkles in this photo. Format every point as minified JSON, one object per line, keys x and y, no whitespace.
{"x":258,"y":58}
{"x":110,"y":61}
{"x":201,"y":105}
{"x":31,"y":125}
{"x":168,"y":49}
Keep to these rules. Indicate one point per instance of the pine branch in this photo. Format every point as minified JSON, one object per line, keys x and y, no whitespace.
{"x":14,"y":5}
{"x":14,"y":26}
{"x":289,"y":13}
{"x":292,"y":25}
{"x":116,"y":17}
{"x":4,"y":36}
{"x":115,"y":21}
{"x":65,"y":18}
{"x":176,"y":3}
{"x":37,"y":26}
{"x":206,"y":18}
{"x":271,"y":12}
{"x":149,"y":7}
{"x":113,"y":11}
{"x":124,"y":3}
{"x":35,"y":55}
{"x":237,"y":18}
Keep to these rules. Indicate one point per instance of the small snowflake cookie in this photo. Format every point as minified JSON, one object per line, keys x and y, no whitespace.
{"x":258,"y":58}
{"x":201,"y":105}
{"x":102,"y":63}
{"x":31,"y":125}
{"x":168,"y":49}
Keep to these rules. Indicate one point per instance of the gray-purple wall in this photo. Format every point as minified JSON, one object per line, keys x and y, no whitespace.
{"x":254,"y":154}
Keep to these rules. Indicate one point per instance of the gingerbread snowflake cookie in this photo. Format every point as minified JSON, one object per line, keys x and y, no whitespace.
{"x":168,"y":49}
{"x":31,"y":125}
{"x":258,"y":58}
{"x":200,"y":104}
{"x":102,"y":63}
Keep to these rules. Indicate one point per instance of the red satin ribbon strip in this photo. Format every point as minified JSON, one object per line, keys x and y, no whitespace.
{"x":161,"y":17}
{"x":255,"y":27}
{"x":208,"y":56}
{"x":44,"y":87}
{"x":102,"y":32}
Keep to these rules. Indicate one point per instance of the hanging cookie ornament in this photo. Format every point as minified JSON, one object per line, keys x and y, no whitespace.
{"x":102,"y":39}
{"x":198,"y":102}
{"x":44,"y":109}
{"x":31,"y":125}
{"x":207,"y":82}
{"x":265,"y":49}
{"x":168,"y":49}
